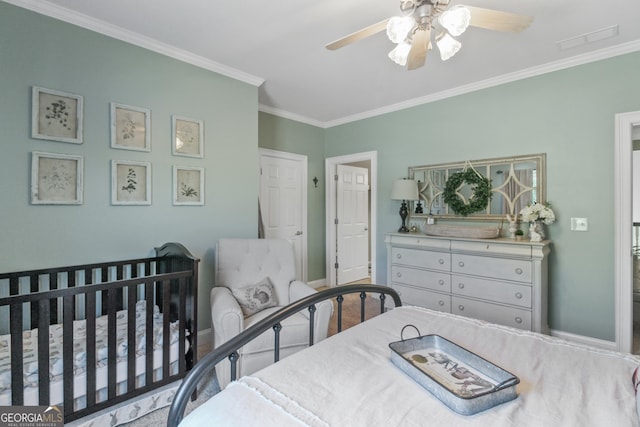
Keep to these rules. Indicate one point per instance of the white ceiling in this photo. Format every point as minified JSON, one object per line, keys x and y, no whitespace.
{"x":278,"y":45}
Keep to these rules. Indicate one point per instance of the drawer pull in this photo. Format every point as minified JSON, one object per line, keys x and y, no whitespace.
{"x":440,"y":261}
{"x":399,"y":256}
{"x":440,"y":303}
{"x":518,"y":271}
{"x":461,"y":307}
{"x":518,"y":320}
{"x":518,"y":295}
{"x":461,"y":285}
{"x":461,"y":264}
{"x":441,"y":282}
{"x":398,"y":274}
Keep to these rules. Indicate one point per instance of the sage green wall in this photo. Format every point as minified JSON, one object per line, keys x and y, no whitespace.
{"x":277,"y":133}
{"x":567,"y":114}
{"x":36,"y":50}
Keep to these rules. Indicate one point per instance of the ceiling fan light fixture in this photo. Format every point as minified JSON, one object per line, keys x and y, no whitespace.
{"x":447,"y":45}
{"x":455,"y":20}
{"x":400,"y":53}
{"x":398,"y":28}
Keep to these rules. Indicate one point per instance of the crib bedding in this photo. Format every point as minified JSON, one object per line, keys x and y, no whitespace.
{"x":349,"y":379}
{"x":30,"y":355}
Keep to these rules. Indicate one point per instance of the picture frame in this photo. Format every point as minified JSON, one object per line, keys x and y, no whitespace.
{"x":188,"y":186}
{"x":187,"y":137}
{"x":56,"y":179}
{"x":56,"y":115}
{"x":130,"y":182}
{"x":130,"y":127}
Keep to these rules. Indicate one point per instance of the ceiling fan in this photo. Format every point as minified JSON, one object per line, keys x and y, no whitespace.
{"x":420,"y":18}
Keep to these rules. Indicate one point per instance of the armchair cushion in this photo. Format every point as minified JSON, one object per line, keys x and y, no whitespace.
{"x":255,"y":298}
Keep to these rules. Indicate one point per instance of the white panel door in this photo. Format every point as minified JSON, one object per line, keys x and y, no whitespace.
{"x":353,"y":223}
{"x":281,"y":203}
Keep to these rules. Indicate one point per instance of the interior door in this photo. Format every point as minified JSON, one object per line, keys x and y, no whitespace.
{"x":352,"y":224}
{"x":283,"y":203}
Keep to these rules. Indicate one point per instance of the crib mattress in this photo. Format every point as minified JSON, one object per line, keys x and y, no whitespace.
{"x":30,"y":355}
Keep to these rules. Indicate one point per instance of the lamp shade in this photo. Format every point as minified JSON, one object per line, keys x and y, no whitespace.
{"x":448,"y":46}
{"x":455,"y":20}
{"x":404,"y":189}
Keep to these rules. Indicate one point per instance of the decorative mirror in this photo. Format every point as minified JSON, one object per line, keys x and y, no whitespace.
{"x":515,"y":182}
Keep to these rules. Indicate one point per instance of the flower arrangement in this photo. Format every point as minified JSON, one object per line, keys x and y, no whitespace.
{"x":537,"y":211}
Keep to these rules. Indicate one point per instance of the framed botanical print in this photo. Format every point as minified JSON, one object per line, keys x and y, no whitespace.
{"x":188,"y":185}
{"x":130,"y":183}
{"x":56,"y":115}
{"x":130,"y":127}
{"x":56,"y":179}
{"x":187,"y":137}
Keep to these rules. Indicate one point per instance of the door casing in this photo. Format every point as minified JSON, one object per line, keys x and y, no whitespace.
{"x":330,"y":206}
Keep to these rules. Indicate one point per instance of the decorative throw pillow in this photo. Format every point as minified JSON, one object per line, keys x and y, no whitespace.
{"x":255,"y":298}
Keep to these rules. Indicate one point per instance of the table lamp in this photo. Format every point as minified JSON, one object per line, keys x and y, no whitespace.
{"x":404,"y":189}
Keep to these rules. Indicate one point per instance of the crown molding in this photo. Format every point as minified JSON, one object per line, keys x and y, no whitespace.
{"x":90,"y":23}
{"x":291,"y":116}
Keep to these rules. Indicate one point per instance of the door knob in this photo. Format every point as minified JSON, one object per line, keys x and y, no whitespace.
{"x":298,"y":233}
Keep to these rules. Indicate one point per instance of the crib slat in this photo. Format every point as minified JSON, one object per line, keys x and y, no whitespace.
{"x":34,"y":286}
{"x":182,"y":314}
{"x":17,"y":361}
{"x":166,"y":339}
{"x":104,"y":277}
{"x":111,"y":343}
{"x":149,"y":334}
{"x":67,"y":351}
{"x":53,"y":284}
{"x":91,"y":348}
{"x":131,"y":338}
{"x":43,"y":351}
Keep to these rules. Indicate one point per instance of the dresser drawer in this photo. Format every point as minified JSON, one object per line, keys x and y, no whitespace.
{"x":421,"y":278}
{"x":509,"y":316}
{"x":499,"y":268}
{"x":422,"y":259}
{"x":507,"y":293}
{"x":423,"y":298}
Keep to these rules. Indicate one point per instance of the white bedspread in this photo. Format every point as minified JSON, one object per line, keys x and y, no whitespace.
{"x":349,"y":380}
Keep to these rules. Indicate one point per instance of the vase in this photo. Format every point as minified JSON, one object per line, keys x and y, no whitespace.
{"x":536,"y":231}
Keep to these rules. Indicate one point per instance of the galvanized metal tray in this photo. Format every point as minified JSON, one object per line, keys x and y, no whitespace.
{"x":462,"y":380}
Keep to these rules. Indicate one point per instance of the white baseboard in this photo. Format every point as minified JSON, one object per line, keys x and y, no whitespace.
{"x":317,"y":283}
{"x":204,"y":337}
{"x":594,"y":342}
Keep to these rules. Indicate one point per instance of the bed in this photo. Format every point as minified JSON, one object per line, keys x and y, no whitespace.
{"x":95,"y":335}
{"x":349,"y":379}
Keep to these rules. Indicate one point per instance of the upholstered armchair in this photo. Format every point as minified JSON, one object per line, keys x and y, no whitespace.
{"x":254,"y":278}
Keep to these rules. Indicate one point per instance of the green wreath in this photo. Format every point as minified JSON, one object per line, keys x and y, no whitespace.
{"x":481,"y":192}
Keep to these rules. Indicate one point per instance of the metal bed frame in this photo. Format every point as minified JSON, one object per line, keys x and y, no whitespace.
{"x":230,"y":348}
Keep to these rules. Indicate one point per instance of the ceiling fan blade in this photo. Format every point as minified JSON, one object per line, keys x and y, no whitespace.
{"x":358,"y":35}
{"x":419,"y":47}
{"x":498,"y":20}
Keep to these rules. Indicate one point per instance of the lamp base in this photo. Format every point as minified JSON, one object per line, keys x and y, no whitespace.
{"x":404,"y":212}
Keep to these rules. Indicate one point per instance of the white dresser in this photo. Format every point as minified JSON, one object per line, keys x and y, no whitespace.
{"x":499,"y":280}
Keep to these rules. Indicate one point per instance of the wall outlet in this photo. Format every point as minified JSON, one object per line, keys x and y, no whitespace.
{"x":579,"y":224}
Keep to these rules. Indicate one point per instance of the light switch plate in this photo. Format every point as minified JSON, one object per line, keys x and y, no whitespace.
{"x":579,"y":224}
